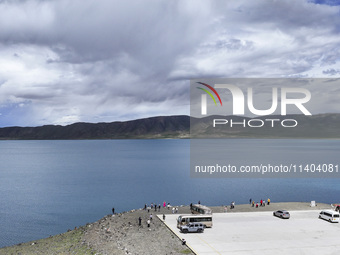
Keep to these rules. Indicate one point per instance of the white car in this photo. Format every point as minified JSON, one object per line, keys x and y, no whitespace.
{"x":283,"y":214}
{"x":196,"y":227}
{"x":330,"y":215}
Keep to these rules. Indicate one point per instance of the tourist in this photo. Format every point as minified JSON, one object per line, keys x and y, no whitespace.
{"x":261,"y":202}
{"x":148,"y":222}
{"x":151,"y":217}
{"x":140,"y":221}
{"x":173,"y":209}
{"x":253,"y":204}
{"x":163,"y":216}
{"x":159,"y":207}
{"x":268,"y":201}
{"x":113,"y":210}
{"x":249,"y":201}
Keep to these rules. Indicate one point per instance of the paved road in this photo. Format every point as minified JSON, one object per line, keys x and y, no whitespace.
{"x":262,"y":233}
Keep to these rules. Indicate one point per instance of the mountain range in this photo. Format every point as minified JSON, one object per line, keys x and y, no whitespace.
{"x":316,"y":126}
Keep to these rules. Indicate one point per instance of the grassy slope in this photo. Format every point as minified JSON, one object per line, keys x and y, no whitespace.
{"x":66,"y":243}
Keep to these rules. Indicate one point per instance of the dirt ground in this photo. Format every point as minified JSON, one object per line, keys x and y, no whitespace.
{"x":122,"y":234}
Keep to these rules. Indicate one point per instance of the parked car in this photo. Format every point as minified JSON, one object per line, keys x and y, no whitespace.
{"x":283,"y":214}
{"x":196,"y":227}
{"x":330,"y":215}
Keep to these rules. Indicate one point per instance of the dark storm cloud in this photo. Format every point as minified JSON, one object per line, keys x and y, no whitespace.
{"x":331,"y":72}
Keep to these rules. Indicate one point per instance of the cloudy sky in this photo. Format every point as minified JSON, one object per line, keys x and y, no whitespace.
{"x":99,"y":61}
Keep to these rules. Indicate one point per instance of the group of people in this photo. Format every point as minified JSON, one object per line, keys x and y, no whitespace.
{"x":152,"y":207}
{"x":155,"y":207}
{"x":149,"y":220}
{"x":262,"y":203}
{"x":174,"y":210}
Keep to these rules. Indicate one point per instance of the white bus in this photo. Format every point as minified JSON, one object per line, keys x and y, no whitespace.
{"x":200,"y":209}
{"x":206,"y":220}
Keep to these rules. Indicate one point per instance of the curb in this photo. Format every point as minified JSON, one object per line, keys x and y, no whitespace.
{"x":187,"y":245}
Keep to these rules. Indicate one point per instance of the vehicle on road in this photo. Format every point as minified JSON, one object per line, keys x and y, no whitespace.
{"x":283,"y":214}
{"x":336,"y":207}
{"x":329,"y":215}
{"x":200,"y":209}
{"x":192,"y":228}
{"x":206,"y":220}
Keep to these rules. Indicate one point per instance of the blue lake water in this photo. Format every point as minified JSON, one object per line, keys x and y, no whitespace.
{"x":48,"y":187}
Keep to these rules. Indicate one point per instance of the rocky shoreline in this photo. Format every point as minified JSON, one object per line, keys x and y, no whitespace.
{"x":121,"y":233}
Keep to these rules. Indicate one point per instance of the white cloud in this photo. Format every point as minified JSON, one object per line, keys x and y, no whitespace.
{"x":67,"y":61}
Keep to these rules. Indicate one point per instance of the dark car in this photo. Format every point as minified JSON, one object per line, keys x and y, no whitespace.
{"x":283,"y":214}
{"x":196,"y":227}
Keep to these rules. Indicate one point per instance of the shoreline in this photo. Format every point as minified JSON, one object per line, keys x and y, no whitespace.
{"x":121,"y":233}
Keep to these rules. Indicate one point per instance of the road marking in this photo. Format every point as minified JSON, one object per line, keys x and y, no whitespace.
{"x":209,"y":245}
{"x":174,"y":232}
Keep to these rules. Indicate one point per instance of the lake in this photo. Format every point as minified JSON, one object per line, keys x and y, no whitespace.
{"x":48,"y":187}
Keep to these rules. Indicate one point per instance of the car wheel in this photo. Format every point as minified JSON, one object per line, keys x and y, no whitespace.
{"x":185,"y":231}
{"x":281,"y":216}
{"x":199,"y":230}
{"x":329,"y":220}
{"x":273,"y":214}
{"x":319,"y":217}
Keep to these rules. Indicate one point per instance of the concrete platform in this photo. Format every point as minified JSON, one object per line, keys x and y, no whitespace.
{"x":262,"y":233}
